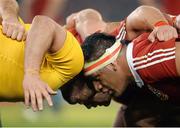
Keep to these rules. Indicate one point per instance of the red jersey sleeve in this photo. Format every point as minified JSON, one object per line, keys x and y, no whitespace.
{"x":76,"y":35}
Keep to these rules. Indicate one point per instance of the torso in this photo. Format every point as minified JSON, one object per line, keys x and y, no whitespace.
{"x":160,"y":68}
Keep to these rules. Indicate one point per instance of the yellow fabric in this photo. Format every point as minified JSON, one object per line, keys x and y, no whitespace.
{"x":56,"y":69}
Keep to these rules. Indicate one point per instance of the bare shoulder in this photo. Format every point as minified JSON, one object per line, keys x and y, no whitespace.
{"x":58,"y":31}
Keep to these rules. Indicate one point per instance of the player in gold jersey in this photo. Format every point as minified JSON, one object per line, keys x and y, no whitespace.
{"x":33,"y":69}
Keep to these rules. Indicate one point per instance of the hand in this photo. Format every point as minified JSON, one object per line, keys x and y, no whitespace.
{"x":14,"y":29}
{"x":163,"y":33}
{"x":35,"y":90}
{"x":70,"y":21}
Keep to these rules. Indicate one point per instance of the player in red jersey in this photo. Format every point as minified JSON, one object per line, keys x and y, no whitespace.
{"x":141,"y":60}
{"x":88,"y":21}
{"x":77,"y":88}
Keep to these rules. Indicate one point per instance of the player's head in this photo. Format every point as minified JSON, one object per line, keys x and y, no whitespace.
{"x":101,"y":54}
{"x":81,"y":90}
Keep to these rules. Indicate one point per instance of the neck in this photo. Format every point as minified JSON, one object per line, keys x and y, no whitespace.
{"x":122,"y":72}
{"x":122,"y":62}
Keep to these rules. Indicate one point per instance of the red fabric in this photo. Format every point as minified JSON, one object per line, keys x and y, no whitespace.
{"x":156,"y":72}
{"x":38,"y":6}
{"x":160,"y":23}
{"x":171,"y":6}
{"x":116,"y":31}
{"x":163,"y":76}
{"x":76,"y":35}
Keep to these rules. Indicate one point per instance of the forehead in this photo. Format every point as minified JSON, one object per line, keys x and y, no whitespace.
{"x":100,"y":72}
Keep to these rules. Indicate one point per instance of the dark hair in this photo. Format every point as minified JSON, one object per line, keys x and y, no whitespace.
{"x":67,"y":88}
{"x":96,"y":44}
{"x":79,"y":82}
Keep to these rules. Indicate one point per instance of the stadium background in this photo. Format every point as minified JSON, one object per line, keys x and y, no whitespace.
{"x":63,"y":114}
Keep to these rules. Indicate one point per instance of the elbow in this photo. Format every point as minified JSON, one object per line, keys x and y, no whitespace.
{"x":143,"y":9}
{"x":40,"y":19}
{"x":90,"y":14}
{"x":44,"y":21}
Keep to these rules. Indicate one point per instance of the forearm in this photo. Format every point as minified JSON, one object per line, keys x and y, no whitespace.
{"x":9,"y":9}
{"x":88,"y":21}
{"x":39,"y":40}
{"x":152,"y":16}
{"x":149,"y":19}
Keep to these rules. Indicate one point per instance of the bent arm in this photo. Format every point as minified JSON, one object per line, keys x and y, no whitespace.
{"x":143,"y":19}
{"x":44,"y":36}
{"x":38,"y":41}
{"x":85,"y":22}
{"x":41,"y":39}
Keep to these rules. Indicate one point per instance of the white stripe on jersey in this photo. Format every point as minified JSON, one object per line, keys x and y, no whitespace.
{"x":154,"y":52}
{"x":154,"y":57}
{"x":122,"y":33}
{"x":154,"y":62}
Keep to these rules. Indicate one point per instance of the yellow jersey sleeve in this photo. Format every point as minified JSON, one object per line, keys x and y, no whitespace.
{"x":65,"y":63}
{"x":58,"y":68}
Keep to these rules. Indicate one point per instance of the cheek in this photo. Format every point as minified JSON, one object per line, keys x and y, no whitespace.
{"x":111,"y":82}
{"x":108,"y":80}
{"x":108,"y":76}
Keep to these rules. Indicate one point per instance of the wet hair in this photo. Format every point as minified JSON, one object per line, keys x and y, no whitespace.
{"x":96,"y":44}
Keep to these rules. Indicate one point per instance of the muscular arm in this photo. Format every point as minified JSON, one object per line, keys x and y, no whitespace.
{"x":85,"y":22}
{"x":143,"y":19}
{"x":39,"y":40}
{"x":43,"y":37}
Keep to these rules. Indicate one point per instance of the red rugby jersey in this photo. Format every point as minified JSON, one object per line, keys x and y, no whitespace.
{"x":154,"y":64}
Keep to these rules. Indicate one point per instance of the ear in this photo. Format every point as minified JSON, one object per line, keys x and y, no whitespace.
{"x":113,"y":66}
